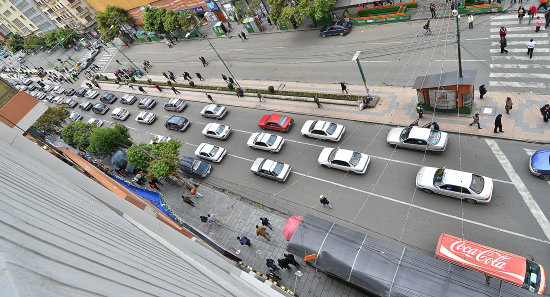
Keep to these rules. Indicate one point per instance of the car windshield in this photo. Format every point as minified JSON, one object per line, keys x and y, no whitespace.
{"x":405,"y":133}
{"x":477,"y":183}
{"x":214,"y":151}
{"x":217,"y":109}
{"x":196,"y":165}
{"x":355,"y":158}
{"x":532,"y":277}
{"x":278,"y":168}
{"x":220,"y":129}
{"x":282,"y":120}
{"x":271,"y":140}
{"x":434,"y":137}
{"x":438,"y":177}
{"x":331,"y":128}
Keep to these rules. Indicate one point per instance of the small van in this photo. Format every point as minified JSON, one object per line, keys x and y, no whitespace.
{"x":177,"y":123}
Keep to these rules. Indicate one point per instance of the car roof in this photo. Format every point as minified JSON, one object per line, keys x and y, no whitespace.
{"x":268,"y":164}
{"x":321,"y":125}
{"x":175,"y":119}
{"x":420,"y":133}
{"x":117,"y":110}
{"x":457,"y":178}
{"x":264,"y":137}
{"x":343,"y":155}
{"x":173,"y":100}
{"x":211,"y":106}
{"x":207,"y":147}
{"x":274,"y":117}
{"x":213,"y":126}
{"x":143,"y":114}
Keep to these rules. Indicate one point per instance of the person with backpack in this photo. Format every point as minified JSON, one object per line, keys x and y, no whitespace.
{"x":545,"y":111}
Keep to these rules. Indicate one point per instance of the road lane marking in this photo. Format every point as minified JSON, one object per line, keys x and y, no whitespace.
{"x":506,"y":16}
{"x":519,"y":42}
{"x":520,"y":50}
{"x":523,"y":75}
{"x":480,"y":38}
{"x":525,"y":36}
{"x":518,"y":66}
{"x":519,"y":84}
{"x":455,"y":60}
{"x":513,"y":29}
{"x":522,"y":58}
{"x":529,"y":153}
{"x":536,"y":211}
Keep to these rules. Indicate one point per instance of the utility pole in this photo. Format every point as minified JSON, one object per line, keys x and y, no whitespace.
{"x":455,"y":12}
{"x":356,"y":59}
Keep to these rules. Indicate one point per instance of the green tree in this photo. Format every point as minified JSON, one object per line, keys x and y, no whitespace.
{"x":137,"y":157}
{"x":110,"y":17}
{"x":284,"y":11}
{"x":166,"y":162}
{"x":78,"y":134}
{"x":50,"y":40}
{"x":51,"y":119}
{"x":187,"y":20}
{"x":153,"y":19}
{"x":242,"y":10}
{"x":34,"y":43}
{"x":105,"y":141}
{"x":171,"y":21}
{"x":15,"y":43}
{"x":65,"y":36}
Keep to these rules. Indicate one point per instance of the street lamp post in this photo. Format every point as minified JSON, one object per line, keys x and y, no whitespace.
{"x":356,"y":59}
{"x":455,"y":12}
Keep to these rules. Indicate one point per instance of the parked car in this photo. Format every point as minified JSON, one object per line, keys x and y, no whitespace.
{"x":31,"y":88}
{"x":265,"y":141}
{"x":159,"y":138}
{"x":323,"y":130}
{"x":216,"y":130}
{"x":470,"y":187}
{"x":108,"y":98}
{"x":100,"y":108}
{"x":69,"y":92}
{"x":70,"y":102}
{"x":26,"y":81}
{"x":177,"y":123}
{"x":120,"y":114}
{"x":48,"y":88}
{"x":210,"y":152}
{"x":21,"y":87}
{"x":336,"y":28}
{"x":94,"y":53}
{"x":146,"y":103}
{"x":146,"y":117}
{"x":81,"y":92}
{"x":58,"y":100}
{"x":194,"y":167}
{"x":175,"y":104}
{"x":128,"y":99}
{"x":539,"y":164}
{"x":214,"y":111}
{"x":276,"y":122}
{"x":91,"y":94}
{"x":85,"y":105}
{"x":40,"y":95}
{"x":418,"y":138}
{"x":98,"y":122}
{"x":58,"y":89}
{"x":345,"y":160}
{"x":271,"y":169}
{"x":75,"y":117}
{"x":49,"y":98}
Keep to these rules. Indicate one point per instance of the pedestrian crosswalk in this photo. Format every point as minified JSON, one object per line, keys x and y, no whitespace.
{"x":103,"y":58}
{"x":514,"y":70}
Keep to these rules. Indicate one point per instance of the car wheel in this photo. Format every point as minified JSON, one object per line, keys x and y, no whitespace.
{"x":341,"y":34}
{"x":471,"y":201}
{"x":262,"y":128}
{"x":427,"y":191}
{"x":324,"y":165}
{"x":324,"y":35}
{"x":545,"y":177}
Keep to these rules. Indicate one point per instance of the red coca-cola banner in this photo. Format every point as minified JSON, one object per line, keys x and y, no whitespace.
{"x":484,"y":259}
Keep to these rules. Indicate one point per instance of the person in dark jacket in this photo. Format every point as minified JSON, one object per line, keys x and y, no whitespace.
{"x":498,"y":123}
{"x":482,"y":91}
{"x":291,"y":260}
{"x":545,"y":111}
{"x":503,"y":45}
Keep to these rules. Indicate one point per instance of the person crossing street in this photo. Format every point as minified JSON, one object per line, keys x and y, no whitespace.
{"x":324,"y":201}
{"x":174,"y":90}
{"x":530,"y":48}
{"x":261,"y":231}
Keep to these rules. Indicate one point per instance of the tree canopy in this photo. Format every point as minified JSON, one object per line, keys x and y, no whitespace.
{"x":34,"y":43}
{"x":51,"y":119}
{"x":105,"y":141}
{"x":162,"y":20}
{"x":78,"y":134}
{"x":164,"y":161}
{"x":153,"y":19}
{"x":15,"y":43}
{"x":137,"y":157}
{"x":60,"y":36}
{"x":110,"y":17}
{"x":283,"y":11}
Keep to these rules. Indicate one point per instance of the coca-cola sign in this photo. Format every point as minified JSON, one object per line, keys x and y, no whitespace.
{"x":481,"y":258}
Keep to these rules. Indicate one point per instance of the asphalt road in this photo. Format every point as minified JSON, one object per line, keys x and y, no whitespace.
{"x":384,"y":201}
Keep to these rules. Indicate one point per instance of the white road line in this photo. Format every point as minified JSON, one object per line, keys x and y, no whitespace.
{"x":519,"y":84}
{"x":520,"y":186}
{"x":506,"y":16}
{"x":522,"y":58}
{"x":455,"y":60}
{"x":480,"y":38}
{"x":522,"y":75}
{"x":518,"y":66}
{"x":525,"y":36}
{"x":520,"y":50}
{"x":513,"y":29}
{"x":508,"y":23}
{"x":529,"y":153}
{"x":522,"y":43}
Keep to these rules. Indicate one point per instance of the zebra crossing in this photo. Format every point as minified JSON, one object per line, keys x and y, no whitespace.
{"x":514,"y":70}
{"x":104,"y":57}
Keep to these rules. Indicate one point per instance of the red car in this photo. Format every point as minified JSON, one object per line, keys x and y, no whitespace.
{"x":276,"y":122}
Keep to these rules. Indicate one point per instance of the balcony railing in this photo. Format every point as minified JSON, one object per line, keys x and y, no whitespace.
{"x":74,"y":3}
{"x":83,"y":12}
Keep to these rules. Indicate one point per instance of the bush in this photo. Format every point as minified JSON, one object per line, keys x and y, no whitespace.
{"x":96,"y":76}
{"x":230,"y":86}
{"x":169,"y":82}
{"x":191,"y":84}
{"x":117,"y":78}
{"x":133,"y":79}
{"x":271,"y":89}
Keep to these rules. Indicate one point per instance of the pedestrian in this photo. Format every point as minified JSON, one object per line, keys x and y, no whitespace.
{"x":244,"y":240}
{"x":209,"y":97}
{"x":470,"y":21}
{"x":199,"y":76}
{"x":142,"y":90}
{"x":265,"y":222}
{"x":436,"y":126}
{"x":118,"y":83}
{"x":239,"y":34}
{"x":547,"y":19}
{"x":261,"y":231}
{"x":118,"y":62}
{"x":432,"y":10}
{"x":269,"y":21}
{"x":509,"y":105}
{"x":172,"y":76}
{"x":240,"y":92}
{"x":538,"y":24}
{"x":427,"y":28}
{"x":420,"y":109}
{"x":230,"y":79}
{"x":165,"y":75}
{"x":260,"y":98}
{"x":542,"y":4}
{"x":270,"y":263}
{"x":149,"y":81}
{"x":156,"y":181}
{"x":545,"y":111}
{"x":283,"y":263}
{"x":212,"y":218}
{"x":158,"y":88}
{"x":521,"y":13}
{"x":154,"y":186}
{"x":503,"y":45}
{"x":188,"y":200}
{"x":224,"y":77}
{"x":131,"y":87}
{"x":532,"y":12}
{"x":145,"y":68}
{"x":324,"y":201}
{"x":512,"y":2}
{"x":206,"y":220}
{"x":186,"y":75}
{"x":530,"y":48}
{"x":290,"y":259}
{"x":89,"y":85}
{"x":244,"y":35}
{"x":476,"y":120}
{"x":174,"y":90}
{"x":271,"y":275}
{"x":498,"y":123}
{"x":203,"y":61}
{"x":482,"y":91}
{"x":344,"y":87}
{"x":316,"y":100}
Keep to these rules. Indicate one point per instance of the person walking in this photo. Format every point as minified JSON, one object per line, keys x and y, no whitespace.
{"x":142,"y":90}
{"x":470,"y":21}
{"x":203,"y":61}
{"x":503,"y":45}
{"x":174,"y":90}
{"x":239,"y":34}
{"x":260,"y":98}
{"x":538,"y":24}
{"x":432,"y":10}
{"x":509,"y":105}
{"x":187,"y":76}
{"x":118,"y":62}
{"x":283,"y":263}
{"x":206,"y":220}
{"x":543,"y":5}
{"x":244,"y":35}
{"x":324,"y":201}
{"x":545,"y":111}
{"x":265,"y":222}
{"x":154,"y":185}
{"x":271,"y":275}
{"x":344,"y":87}
{"x":482,"y":91}
{"x":316,"y":100}
{"x":224,"y":77}
{"x":290,"y":259}
{"x":521,"y":13}
{"x":244,"y":240}
{"x":261,"y":231}
{"x":547,"y":19}
{"x":188,"y":200}
{"x":532,"y":12}
{"x":165,"y":75}
{"x":269,"y":21}
{"x":118,"y":83}
{"x":502,"y":32}
{"x":530,"y":48}
{"x":158,"y":88}
{"x":498,"y":123}
{"x":427,"y":28}
{"x":131,"y":87}
{"x":270,"y":263}
{"x":199,"y":76}
{"x":209,"y":97}
{"x":420,"y":109}
{"x":476,"y":120}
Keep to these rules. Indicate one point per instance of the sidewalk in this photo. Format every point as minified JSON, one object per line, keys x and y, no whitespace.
{"x":396,"y":107}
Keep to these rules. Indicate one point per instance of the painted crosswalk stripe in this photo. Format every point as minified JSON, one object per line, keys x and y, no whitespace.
{"x":513,"y":29}
{"x":506,"y":16}
{"x":526,"y":36}
{"x":509,"y":43}
{"x":521,"y":75}
{"x":520,"y":50}
{"x":522,"y":58}
{"x":517,"y":84}
{"x":502,"y":23}
{"x":518,"y":66}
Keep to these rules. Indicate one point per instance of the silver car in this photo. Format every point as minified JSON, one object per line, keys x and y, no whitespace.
{"x":214,"y":111}
{"x":418,"y":138}
{"x":128,"y":99}
{"x":146,"y":103}
{"x":98,"y":122}
{"x":472,"y":188}
{"x":323,"y":130}
{"x":91,"y":94}
{"x":146,"y":117}
{"x":271,"y":169}
{"x":210,"y":152}
{"x":345,"y":160}
{"x":75,"y":117}
{"x":175,"y":104}
{"x":265,"y":141}
{"x":120,"y":114}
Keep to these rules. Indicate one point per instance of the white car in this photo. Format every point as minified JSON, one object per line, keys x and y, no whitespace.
{"x":58,"y":100}
{"x":159,"y":138}
{"x":265,"y":141}
{"x":418,"y":138}
{"x":70,"y":102}
{"x":216,"y":130}
{"x":120,"y":114}
{"x":128,"y":99}
{"x":323,"y":130}
{"x":210,"y":152}
{"x":47,"y":88}
{"x":58,"y":89}
{"x":214,"y":111}
{"x":471,"y":187}
{"x":271,"y":169}
{"x":346,"y":160}
{"x":98,"y":122}
{"x":146,"y":117}
{"x":91,"y":94}
{"x":40,"y":95}
{"x":75,"y":117}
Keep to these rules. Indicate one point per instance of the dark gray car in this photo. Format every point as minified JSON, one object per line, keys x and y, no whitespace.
{"x":194,"y":167}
